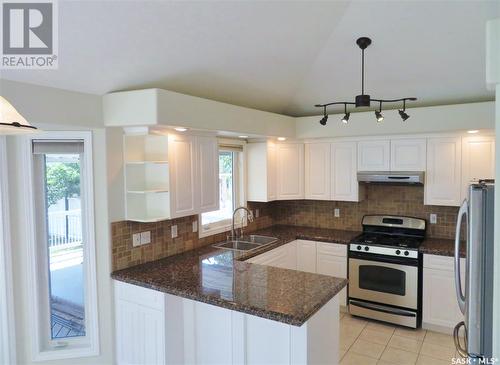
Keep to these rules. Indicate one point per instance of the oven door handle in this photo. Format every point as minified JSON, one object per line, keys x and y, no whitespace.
{"x":379,"y":308}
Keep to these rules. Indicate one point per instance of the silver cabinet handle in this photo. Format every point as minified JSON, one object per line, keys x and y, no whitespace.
{"x":456,"y":339}
{"x":464,"y":211}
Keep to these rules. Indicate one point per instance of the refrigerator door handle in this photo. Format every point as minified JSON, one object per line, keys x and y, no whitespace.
{"x":456,"y":338}
{"x":464,"y":211}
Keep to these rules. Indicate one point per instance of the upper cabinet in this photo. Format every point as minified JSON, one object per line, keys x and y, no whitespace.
{"x":374,"y":155}
{"x":478,"y":160}
{"x":344,"y":183}
{"x":317,"y":171}
{"x":443,"y":183}
{"x":290,"y":167}
{"x":408,"y":154}
{"x":261,"y":171}
{"x":170,"y":176}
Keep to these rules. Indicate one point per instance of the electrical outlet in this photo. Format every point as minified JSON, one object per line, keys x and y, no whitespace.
{"x":174,"y":231}
{"x":136,"y":239}
{"x":195,"y":226}
{"x":145,"y":237}
{"x":336,"y":212}
{"x":257,"y":213}
{"x":433,"y":218}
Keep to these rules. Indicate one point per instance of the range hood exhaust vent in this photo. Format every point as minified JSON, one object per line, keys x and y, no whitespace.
{"x":392,"y":177}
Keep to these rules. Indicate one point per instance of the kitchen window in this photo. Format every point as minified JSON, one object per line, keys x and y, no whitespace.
{"x":64,"y":297}
{"x":230,"y":192}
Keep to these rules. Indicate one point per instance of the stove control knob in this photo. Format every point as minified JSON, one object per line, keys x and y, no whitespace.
{"x":398,"y":252}
{"x":367,"y":248}
{"x":359,"y":248}
{"x":406,"y":253}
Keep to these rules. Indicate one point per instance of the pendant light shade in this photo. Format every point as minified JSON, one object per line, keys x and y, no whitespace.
{"x":11,"y":122}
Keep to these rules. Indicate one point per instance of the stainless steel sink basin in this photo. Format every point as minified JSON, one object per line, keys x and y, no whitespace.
{"x":261,"y":240}
{"x":246,"y":243}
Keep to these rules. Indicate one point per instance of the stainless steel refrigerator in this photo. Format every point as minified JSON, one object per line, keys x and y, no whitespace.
{"x":476,"y":303}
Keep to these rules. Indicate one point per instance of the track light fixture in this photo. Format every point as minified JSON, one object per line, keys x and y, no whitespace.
{"x":325,"y":117}
{"x":402,"y":113}
{"x":345,"y":119}
{"x":364,"y":100}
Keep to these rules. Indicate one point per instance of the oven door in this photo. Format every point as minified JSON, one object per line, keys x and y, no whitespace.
{"x":383,"y":282}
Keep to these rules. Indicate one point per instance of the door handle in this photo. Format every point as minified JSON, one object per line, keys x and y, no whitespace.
{"x":464,"y":211}
{"x":456,"y":339}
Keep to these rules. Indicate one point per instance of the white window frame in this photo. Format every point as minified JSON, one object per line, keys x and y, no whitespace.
{"x":7,"y":315}
{"x":43,"y":347}
{"x":238,"y":191}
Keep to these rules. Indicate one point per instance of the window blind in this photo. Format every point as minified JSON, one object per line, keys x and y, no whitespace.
{"x":45,"y":146}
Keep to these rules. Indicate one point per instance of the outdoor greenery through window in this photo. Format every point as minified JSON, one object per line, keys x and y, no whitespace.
{"x":228,"y":192}
{"x":65,"y":245}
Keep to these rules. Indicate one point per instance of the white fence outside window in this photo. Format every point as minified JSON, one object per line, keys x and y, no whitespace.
{"x":64,"y":227}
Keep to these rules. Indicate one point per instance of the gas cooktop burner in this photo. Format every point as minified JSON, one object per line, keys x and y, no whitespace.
{"x":387,"y":240}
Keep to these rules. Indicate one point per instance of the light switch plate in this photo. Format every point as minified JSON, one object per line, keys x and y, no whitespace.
{"x":145,"y":237}
{"x":257,"y":213}
{"x":136,"y":239}
{"x":336,"y":212}
{"x":195,"y":226}
{"x":433,"y":218}
{"x":174,"y":231}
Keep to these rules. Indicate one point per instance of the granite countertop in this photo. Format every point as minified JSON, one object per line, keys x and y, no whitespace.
{"x":222,"y":278}
{"x":441,"y":246}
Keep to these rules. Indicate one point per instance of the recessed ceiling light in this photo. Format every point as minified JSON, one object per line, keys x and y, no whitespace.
{"x":181,"y":129}
{"x":473,"y":131}
{"x":281,"y":139}
{"x":242,"y":136}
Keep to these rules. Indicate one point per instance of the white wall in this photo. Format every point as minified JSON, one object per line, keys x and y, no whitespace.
{"x":422,"y":120}
{"x":39,"y":104}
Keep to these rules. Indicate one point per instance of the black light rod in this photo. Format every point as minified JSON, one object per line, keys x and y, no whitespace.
{"x":334,"y":103}
{"x":393,"y":100}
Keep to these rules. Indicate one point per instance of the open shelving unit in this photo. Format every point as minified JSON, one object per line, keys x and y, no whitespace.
{"x":146,"y":178}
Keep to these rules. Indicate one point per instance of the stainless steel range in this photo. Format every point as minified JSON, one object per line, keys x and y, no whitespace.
{"x":385,"y":270}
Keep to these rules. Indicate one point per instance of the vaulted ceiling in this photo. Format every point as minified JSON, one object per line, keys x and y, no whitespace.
{"x":277,"y":56}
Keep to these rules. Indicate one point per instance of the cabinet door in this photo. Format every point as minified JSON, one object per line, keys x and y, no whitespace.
{"x":374,"y":155}
{"x":317,"y":171}
{"x":290,"y":165}
{"x":182,"y":164}
{"x":272,"y":182}
{"x":478,"y":160}
{"x":443,"y":183}
{"x":333,"y":266}
{"x":208,"y":170}
{"x":306,"y":256}
{"x":408,"y":154}
{"x":345,"y":186}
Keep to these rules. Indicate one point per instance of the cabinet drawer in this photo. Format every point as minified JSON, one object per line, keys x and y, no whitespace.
{"x":334,"y":249}
{"x":139,"y":295}
{"x":443,"y":263}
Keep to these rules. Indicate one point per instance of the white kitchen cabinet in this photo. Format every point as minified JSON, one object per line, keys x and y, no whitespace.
{"x":332,"y":261}
{"x":208,"y":173}
{"x":408,"y":154}
{"x":374,"y":155}
{"x":290,"y":167}
{"x":440,"y":307}
{"x":317,"y":171}
{"x":443,"y":183}
{"x":478,"y":160}
{"x":306,"y":256}
{"x":261,"y":171}
{"x":284,"y":256}
{"x":344,"y":182}
{"x":183,"y":174}
{"x":140,"y":322}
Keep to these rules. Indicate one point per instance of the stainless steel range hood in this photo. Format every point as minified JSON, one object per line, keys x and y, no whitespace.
{"x":391,"y":177}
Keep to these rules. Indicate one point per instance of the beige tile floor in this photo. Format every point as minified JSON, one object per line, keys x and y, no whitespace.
{"x":373,"y":343}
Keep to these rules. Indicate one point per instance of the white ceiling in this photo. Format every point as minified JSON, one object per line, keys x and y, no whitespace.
{"x":277,"y":56}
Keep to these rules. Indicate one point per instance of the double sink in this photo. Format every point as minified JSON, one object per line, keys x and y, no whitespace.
{"x":246,"y":243}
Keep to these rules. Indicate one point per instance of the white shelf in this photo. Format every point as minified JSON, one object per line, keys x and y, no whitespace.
{"x":151,"y":191}
{"x":147,"y":219}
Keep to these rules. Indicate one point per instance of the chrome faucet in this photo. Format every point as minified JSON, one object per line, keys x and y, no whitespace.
{"x":249,"y":216}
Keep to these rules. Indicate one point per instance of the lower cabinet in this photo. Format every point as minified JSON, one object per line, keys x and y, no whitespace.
{"x":440,"y":306}
{"x":309,"y":256}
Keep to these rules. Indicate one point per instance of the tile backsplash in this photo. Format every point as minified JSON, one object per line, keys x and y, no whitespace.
{"x":379,"y":199}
